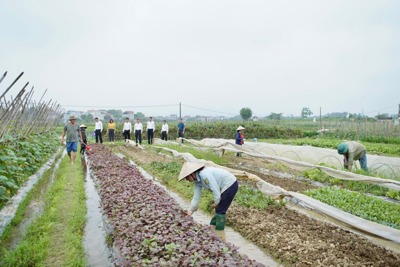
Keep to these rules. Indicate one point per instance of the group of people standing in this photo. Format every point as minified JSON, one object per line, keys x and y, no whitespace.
{"x":137,"y":130}
{"x":220,"y":182}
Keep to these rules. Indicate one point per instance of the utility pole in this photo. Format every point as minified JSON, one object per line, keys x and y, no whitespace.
{"x":180,"y":110}
{"x":320,"y":119}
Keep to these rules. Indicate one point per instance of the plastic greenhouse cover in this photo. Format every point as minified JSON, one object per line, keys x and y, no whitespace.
{"x":373,"y":228}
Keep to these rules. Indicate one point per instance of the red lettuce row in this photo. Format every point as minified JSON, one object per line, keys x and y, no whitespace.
{"x":149,"y":227}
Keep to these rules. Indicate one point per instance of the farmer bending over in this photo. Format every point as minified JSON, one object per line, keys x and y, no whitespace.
{"x":353,"y":151}
{"x":222,"y":184}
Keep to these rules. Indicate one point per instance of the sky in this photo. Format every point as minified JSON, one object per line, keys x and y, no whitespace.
{"x":212,"y":57}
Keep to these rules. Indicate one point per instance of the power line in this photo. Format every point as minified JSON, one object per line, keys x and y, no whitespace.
{"x":380,"y":109}
{"x":120,"y":107}
{"x":209,"y":110}
{"x":145,"y":106}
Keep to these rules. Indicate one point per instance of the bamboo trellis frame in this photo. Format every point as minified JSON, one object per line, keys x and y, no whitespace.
{"x":21,"y":116}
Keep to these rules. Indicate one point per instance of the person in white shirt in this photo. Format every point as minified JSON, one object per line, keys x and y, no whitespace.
{"x":98,"y":129}
{"x":150,"y":130}
{"x":127,"y":129}
{"x":138,"y":128}
{"x":164,"y":131}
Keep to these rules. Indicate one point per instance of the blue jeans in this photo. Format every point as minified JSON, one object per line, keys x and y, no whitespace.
{"x":363,"y":161}
{"x":72,"y":146}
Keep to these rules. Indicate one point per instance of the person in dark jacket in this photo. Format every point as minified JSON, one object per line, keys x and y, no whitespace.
{"x":84,"y":139}
{"x":239,"y":138}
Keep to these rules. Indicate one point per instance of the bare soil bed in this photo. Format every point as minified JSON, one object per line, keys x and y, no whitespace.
{"x":292,"y":238}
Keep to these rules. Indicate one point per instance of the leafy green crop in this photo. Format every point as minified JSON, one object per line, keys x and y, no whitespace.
{"x":253,"y":198}
{"x":318,"y":175}
{"x":364,"y":206}
{"x":21,"y":158}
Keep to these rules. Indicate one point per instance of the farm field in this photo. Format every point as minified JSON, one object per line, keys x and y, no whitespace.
{"x":292,"y":238}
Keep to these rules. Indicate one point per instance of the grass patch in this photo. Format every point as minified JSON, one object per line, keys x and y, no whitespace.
{"x":56,"y":237}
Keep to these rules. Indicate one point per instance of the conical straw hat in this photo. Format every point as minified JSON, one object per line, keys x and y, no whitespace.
{"x":240,"y":128}
{"x":188,"y":168}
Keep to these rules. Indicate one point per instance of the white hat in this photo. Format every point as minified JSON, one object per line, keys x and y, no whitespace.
{"x":83,"y":126}
{"x":240,"y":128}
{"x":189,"y":168}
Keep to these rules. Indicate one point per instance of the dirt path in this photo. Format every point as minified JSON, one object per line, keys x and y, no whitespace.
{"x":293,"y":238}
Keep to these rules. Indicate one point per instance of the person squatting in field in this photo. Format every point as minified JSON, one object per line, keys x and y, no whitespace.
{"x":353,"y":151}
{"x":222,"y":183}
{"x":73,"y":133}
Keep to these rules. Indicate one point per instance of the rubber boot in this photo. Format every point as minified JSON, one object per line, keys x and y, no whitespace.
{"x":214,"y":220}
{"x":220,"y":222}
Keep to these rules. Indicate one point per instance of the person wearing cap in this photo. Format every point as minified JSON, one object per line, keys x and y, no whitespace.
{"x":353,"y":151}
{"x":222,"y":183}
{"x":98,"y":129}
{"x":73,"y":133}
{"x":84,"y":138}
{"x":239,"y":138}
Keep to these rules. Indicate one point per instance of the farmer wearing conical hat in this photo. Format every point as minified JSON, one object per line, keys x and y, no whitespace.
{"x":239,"y":138}
{"x":353,"y":151}
{"x":222,"y":184}
{"x":240,"y":135}
{"x":84,"y":138}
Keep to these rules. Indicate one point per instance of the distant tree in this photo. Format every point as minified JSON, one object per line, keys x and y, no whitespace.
{"x":275,"y":116}
{"x":384,"y":116}
{"x":139,"y":115}
{"x":246,"y":113}
{"x":107,"y":117}
{"x":115,"y":114}
{"x":336,"y":115}
{"x":87,"y":117}
{"x":306,"y":112}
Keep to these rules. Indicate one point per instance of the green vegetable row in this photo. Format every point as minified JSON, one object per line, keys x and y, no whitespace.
{"x":361,"y":205}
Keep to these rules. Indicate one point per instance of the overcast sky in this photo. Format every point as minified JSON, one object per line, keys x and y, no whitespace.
{"x":215,"y":57}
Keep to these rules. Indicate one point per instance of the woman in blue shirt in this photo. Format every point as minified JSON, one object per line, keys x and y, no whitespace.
{"x":222,"y":183}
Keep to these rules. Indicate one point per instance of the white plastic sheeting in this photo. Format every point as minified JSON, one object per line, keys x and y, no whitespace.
{"x":305,"y":157}
{"x":358,"y":223}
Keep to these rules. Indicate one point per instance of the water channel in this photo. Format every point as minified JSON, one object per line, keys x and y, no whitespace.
{"x":229,"y":235}
{"x":98,"y":253}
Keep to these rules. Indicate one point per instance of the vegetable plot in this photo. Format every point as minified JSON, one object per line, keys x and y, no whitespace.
{"x":149,"y":227}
